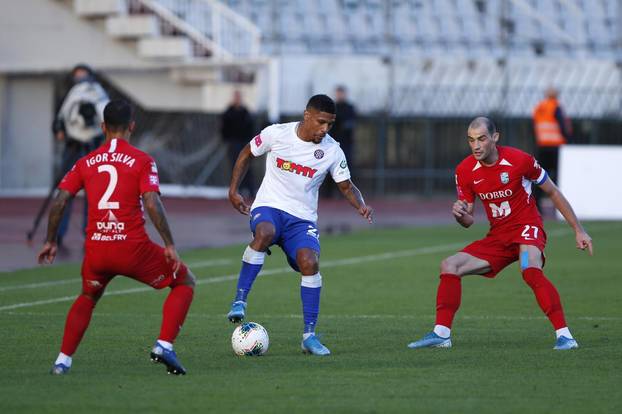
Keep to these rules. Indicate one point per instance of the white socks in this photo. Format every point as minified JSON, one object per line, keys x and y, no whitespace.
{"x":442,"y":331}
{"x":166,"y":345}
{"x":563,"y":332}
{"x":63,"y":359}
{"x":253,"y":257}
{"x":313,"y":281}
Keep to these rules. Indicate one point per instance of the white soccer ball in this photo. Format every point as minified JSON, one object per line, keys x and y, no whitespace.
{"x":250,"y":339}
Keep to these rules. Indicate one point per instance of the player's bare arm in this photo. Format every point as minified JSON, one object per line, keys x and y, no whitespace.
{"x":239,"y":172}
{"x":354,"y":196}
{"x":157,"y":214}
{"x":463,"y":213}
{"x":584,"y":241}
{"x":48,"y":252}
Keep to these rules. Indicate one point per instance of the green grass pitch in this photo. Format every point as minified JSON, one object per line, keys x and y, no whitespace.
{"x":379,"y":294}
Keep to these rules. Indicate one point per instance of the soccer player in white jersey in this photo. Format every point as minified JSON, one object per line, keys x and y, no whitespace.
{"x":299,"y":156}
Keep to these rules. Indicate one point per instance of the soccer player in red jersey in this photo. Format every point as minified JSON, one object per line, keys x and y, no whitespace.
{"x":501,"y":177}
{"x":119,"y":180}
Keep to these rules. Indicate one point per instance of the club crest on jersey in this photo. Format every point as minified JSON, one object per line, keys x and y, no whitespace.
{"x":295,"y":168}
{"x":505,"y":177}
{"x":319,"y":154}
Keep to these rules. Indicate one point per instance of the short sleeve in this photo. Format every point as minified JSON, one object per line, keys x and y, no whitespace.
{"x":463,"y":188}
{"x":149,"y":179}
{"x":262,"y":143}
{"x":534,"y":171}
{"x":72,"y":181}
{"x":339,"y":170}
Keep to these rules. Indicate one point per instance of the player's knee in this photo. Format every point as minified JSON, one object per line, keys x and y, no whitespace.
{"x":449,"y":266}
{"x":190,"y":279}
{"x":184,"y":278}
{"x":264,"y":235}
{"x":530,"y":260}
{"x":307,"y":261}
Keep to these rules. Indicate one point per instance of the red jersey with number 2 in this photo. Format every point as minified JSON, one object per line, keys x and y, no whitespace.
{"x":114,"y":177}
{"x":504,"y":188}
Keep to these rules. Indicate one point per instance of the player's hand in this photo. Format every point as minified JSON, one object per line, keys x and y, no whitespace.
{"x":367,"y":212}
{"x":171,"y":256}
{"x":459,"y":208}
{"x":584,"y":241}
{"x":239,"y":204}
{"x":47,"y":253}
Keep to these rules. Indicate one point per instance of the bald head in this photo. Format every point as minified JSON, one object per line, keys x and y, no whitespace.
{"x":483,"y":122}
{"x":483,"y":136}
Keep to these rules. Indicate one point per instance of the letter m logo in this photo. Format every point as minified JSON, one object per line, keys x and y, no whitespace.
{"x":502,"y":210}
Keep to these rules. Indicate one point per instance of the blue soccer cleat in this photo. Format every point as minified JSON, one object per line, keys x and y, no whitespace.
{"x":237,"y":312}
{"x":168,"y":358}
{"x":312,"y":345}
{"x":563,"y":343}
{"x":59,"y":369}
{"x":431,"y":340}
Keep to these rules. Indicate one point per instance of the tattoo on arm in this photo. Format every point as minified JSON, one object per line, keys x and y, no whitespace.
{"x":157,"y":214}
{"x":351,"y":193}
{"x":56,"y":214}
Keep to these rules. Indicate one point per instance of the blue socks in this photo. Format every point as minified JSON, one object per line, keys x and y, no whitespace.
{"x":310,"y":289}
{"x":252,"y":261}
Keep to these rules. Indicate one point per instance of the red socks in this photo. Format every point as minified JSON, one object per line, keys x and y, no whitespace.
{"x":546,"y":295}
{"x":78,"y":320}
{"x":174,"y":311}
{"x":450,"y":293}
{"x":448,"y":298}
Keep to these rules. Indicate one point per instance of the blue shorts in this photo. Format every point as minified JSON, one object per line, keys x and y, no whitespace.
{"x":292,"y":233}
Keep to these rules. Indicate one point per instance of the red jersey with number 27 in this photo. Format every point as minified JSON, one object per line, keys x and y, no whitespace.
{"x":114,"y":177}
{"x":504,"y":188}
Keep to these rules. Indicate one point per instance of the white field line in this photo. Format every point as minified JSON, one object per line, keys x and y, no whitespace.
{"x":283,"y":270}
{"x":344,"y":316}
{"x":192,"y":265}
{"x":270,"y":272}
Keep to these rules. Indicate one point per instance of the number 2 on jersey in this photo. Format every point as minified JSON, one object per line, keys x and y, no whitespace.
{"x":104,"y":204}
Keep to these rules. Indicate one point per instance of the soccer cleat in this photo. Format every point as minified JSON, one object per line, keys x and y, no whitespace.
{"x":312,"y":345}
{"x":168,"y":358}
{"x":59,"y":369}
{"x":431,"y":340}
{"x":237,"y":312}
{"x":563,"y":343}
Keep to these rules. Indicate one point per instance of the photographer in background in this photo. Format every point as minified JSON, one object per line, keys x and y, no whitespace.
{"x":77,"y":125}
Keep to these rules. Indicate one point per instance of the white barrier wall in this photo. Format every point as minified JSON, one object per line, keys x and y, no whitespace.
{"x":589,"y":177}
{"x":26,"y":143}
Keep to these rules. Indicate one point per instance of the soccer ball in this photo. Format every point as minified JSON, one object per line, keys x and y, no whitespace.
{"x":250,"y":339}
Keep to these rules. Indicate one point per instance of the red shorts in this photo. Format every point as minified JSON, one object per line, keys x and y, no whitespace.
{"x":500,"y":248}
{"x":143,"y":261}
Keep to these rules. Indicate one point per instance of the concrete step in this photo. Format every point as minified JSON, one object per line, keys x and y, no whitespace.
{"x":165,"y":47}
{"x":132,"y":26}
{"x":99,"y":8}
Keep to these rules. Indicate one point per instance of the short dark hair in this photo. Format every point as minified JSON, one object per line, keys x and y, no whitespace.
{"x":486,"y":122}
{"x":322,"y":103}
{"x":118,"y":114}
{"x":84,"y":67}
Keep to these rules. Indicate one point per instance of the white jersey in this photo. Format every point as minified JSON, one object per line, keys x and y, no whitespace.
{"x":295,"y":169}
